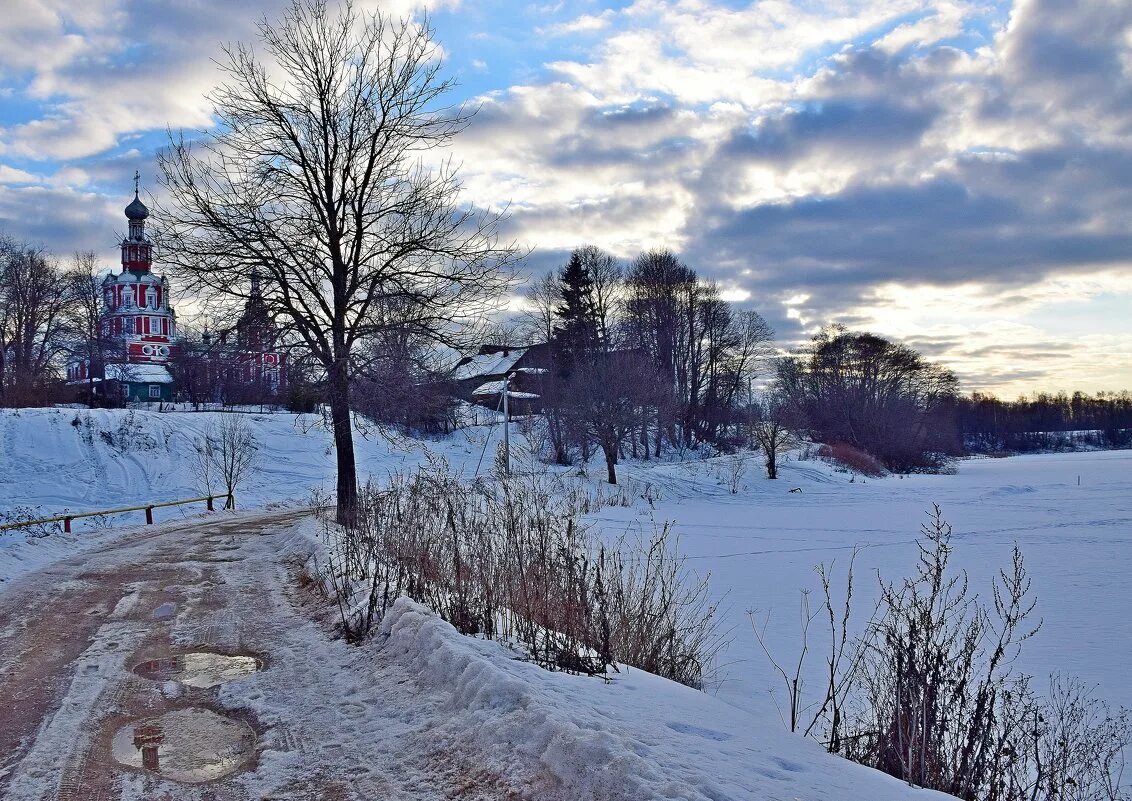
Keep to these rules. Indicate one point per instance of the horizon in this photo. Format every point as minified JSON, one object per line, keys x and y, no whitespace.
{"x":951,"y":175}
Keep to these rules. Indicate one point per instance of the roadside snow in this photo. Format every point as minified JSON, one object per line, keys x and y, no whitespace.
{"x":636,"y":736}
{"x":54,"y":461}
{"x":639,"y":735}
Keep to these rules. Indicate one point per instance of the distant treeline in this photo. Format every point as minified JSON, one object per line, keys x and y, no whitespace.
{"x":1045,"y":422}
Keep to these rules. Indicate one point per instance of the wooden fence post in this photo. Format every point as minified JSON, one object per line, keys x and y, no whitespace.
{"x":67,"y":524}
{"x":149,"y":515}
{"x":210,"y":504}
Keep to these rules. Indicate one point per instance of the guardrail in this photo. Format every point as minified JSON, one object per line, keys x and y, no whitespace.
{"x":147,"y":508}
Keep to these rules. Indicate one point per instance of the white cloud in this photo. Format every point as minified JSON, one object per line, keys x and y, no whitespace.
{"x":820,"y":160}
{"x":942,"y":22}
{"x":587,"y":23}
{"x":10,"y":175}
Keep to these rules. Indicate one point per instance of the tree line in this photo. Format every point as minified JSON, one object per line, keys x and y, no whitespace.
{"x":50,"y":312}
{"x":644,"y":357}
{"x":1046,"y":421}
{"x":648,"y":357}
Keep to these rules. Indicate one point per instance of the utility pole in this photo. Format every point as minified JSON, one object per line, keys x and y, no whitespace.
{"x":506,"y":426}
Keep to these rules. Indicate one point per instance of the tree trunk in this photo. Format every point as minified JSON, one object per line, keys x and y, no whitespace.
{"x":610,"y":451}
{"x":347,"y":509}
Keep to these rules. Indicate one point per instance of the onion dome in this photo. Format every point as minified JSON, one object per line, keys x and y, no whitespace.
{"x":137,"y":210}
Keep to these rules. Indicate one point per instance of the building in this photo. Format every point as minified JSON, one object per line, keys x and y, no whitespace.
{"x":139,"y":325}
{"x":243,"y":363}
{"x":140,"y":358}
{"x":480,"y":379}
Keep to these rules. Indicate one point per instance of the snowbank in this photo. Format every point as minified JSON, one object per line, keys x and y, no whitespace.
{"x":636,"y":737}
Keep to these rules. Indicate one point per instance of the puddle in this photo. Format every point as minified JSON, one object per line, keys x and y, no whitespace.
{"x":189,"y":745}
{"x":199,"y":668}
{"x":165,"y":611}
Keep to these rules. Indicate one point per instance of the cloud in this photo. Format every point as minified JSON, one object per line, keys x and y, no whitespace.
{"x":877,"y":162}
{"x":587,"y":23}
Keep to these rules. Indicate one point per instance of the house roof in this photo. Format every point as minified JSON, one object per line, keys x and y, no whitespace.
{"x":496,"y":388}
{"x":487,"y":364}
{"x":139,"y":373}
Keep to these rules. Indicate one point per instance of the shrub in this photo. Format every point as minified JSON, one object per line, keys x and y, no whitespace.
{"x":927,"y":692}
{"x":509,"y":560}
{"x":850,"y":458}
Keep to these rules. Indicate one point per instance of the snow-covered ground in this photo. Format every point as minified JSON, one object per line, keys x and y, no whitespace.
{"x":1070,"y":513}
{"x":86,"y":460}
{"x":61,"y":460}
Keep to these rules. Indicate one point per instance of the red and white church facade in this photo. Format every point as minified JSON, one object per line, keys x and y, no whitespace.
{"x":139,"y":341}
{"x":138,"y":327}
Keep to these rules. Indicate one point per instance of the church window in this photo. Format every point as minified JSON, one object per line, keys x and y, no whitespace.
{"x":151,"y":298}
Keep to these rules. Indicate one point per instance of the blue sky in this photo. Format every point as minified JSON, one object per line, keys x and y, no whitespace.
{"x":957,"y":174}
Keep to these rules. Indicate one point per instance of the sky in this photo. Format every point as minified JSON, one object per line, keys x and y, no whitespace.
{"x":956,"y":175}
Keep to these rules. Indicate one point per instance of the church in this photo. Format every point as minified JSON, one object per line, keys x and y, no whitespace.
{"x":139,"y":356}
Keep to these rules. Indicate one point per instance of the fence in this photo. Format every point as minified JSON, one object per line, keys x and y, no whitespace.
{"x":147,"y":508}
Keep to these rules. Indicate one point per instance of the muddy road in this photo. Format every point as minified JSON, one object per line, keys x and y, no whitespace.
{"x":197,"y":661}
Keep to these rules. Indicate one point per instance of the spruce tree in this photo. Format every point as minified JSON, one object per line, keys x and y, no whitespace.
{"x":577,"y":334}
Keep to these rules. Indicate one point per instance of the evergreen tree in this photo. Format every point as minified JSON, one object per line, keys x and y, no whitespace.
{"x":577,"y":334}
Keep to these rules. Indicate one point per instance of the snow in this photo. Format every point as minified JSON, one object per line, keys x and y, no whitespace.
{"x":496,"y":388}
{"x":61,"y":460}
{"x":142,"y":373}
{"x":1070,"y":513}
{"x":488,"y":364}
{"x":640,"y":736}
{"x":636,"y":736}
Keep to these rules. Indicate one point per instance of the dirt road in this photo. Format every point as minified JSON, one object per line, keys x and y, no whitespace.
{"x":320,"y":720}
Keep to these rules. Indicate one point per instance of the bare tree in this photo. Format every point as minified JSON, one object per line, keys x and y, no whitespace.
{"x":34,"y":303}
{"x":227,"y":453}
{"x":607,"y":275}
{"x":770,"y":432}
{"x":603,"y":398}
{"x":315,"y":174}
{"x":538,"y":318}
{"x":878,"y":396}
{"x":89,"y":340}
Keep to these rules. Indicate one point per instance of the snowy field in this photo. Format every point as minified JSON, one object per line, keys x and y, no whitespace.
{"x":1071,"y":514}
{"x":762,"y":544}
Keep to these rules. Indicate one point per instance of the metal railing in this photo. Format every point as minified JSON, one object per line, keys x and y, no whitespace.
{"x":65,"y":519}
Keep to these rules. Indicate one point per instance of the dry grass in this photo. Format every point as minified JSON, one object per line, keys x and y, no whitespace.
{"x":508,"y":559}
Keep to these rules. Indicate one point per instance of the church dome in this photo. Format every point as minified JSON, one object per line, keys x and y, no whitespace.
{"x":137,"y":210}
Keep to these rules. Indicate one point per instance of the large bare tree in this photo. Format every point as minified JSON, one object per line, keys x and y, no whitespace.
{"x":316,"y":174}
{"x":90,"y":340}
{"x":35,"y":298}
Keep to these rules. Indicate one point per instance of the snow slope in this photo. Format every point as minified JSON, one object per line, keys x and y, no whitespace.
{"x":54,"y":461}
{"x":1070,"y":513}
{"x":637,"y":736}
{"x":81,"y":460}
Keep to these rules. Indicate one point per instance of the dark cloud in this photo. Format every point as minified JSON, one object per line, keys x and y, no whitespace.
{"x":1034,"y":350}
{"x":1070,"y":58}
{"x":838,"y":127}
{"x":61,"y":220}
{"x":1005,"y":222}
